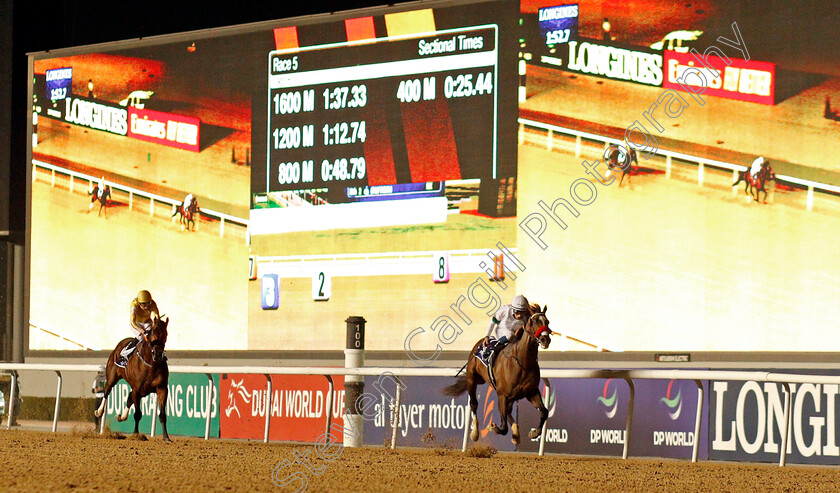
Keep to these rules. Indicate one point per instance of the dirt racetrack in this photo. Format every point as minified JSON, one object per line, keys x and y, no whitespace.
{"x":83,"y":461}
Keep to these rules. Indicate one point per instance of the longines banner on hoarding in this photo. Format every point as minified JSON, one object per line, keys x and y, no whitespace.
{"x":298,"y":406}
{"x":186,"y":406}
{"x":609,"y":60}
{"x":747,"y":419}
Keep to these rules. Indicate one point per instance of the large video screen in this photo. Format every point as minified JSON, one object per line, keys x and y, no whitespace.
{"x":419,"y":167}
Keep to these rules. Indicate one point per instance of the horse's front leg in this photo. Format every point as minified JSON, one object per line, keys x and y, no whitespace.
{"x":514,"y":426}
{"x":112,"y":377}
{"x":504,"y":412}
{"x":536,"y":400}
{"x":138,"y":411}
{"x":162,"y":394}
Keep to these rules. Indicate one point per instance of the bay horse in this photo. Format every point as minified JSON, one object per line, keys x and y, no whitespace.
{"x":103,"y":196}
{"x":145,"y":372}
{"x":620,"y":159}
{"x":516,"y":372}
{"x":758,"y":182}
{"x":188,"y":214}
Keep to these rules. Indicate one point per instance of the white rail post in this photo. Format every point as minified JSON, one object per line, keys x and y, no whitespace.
{"x":734,"y":180}
{"x":329,"y":402}
{"x":810,"y":203}
{"x":700,"y":172}
{"x":154,"y":414}
{"x":668,"y":166}
{"x":786,"y":431}
{"x":545,"y":425}
{"x":57,"y":401}
{"x":467,"y":425}
{"x":210,"y":390}
{"x":104,"y":416}
{"x":130,"y":200}
{"x":12,"y":397}
{"x":629,"y":423}
{"x":52,"y":178}
{"x":71,"y":183}
{"x":397,"y":403}
{"x":267,"y":406}
{"x":221,"y":228}
{"x":549,"y":140}
{"x":697,"y":419}
{"x":577,"y":146}
{"x":521,"y":133}
{"x":174,"y":208}
{"x":151,"y":206}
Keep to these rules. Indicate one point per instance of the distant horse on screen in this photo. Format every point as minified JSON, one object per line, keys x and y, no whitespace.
{"x":188,"y":215}
{"x":620,"y":159}
{"x":757,"y":183}
{"x":103,"y":195}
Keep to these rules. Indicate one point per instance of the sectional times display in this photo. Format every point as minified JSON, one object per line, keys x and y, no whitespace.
{"x":404,"y":109}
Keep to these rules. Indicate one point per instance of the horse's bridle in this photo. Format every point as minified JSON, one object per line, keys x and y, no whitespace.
{"x":537,"y":333}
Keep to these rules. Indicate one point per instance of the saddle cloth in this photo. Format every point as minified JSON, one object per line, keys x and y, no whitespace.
{"x":485,"y":353}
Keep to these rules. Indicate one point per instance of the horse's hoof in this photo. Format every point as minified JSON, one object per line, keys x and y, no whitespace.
{"x":97,"y":413}
{"x":474,"y":435}
{"x":514,"y":440}
{"x":534,"y":434}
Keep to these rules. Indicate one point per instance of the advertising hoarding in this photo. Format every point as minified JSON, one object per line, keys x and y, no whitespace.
{"x":186,"y":407}
{"x":747,"y":418}
{"x":427,"y":416}
{"x":732,"y":78}
{"x":298,"y":406}
{"x":558,"y":24}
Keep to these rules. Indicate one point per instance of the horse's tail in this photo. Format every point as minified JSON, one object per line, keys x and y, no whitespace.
{"x":457,"y":388}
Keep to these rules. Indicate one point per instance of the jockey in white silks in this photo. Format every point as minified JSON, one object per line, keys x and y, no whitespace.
{"x":756,"y":166}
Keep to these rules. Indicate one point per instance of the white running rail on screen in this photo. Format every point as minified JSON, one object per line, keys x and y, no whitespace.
{"x":669,"y":155}
{"x":628,"y":375}
{"x":378,"y":264}
{"x":89,"y":180}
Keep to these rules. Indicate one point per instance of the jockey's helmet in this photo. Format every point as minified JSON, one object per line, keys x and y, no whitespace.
{"x":144,"y":297}
{"x":520,"y":303}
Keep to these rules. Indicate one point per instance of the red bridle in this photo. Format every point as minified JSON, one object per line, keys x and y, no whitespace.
{"x":542,"y":329}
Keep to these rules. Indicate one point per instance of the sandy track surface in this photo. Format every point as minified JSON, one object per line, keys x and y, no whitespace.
{"x":83,"y":461}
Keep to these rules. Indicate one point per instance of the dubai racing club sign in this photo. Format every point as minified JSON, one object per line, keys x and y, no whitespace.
{"x":186,"y":406}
